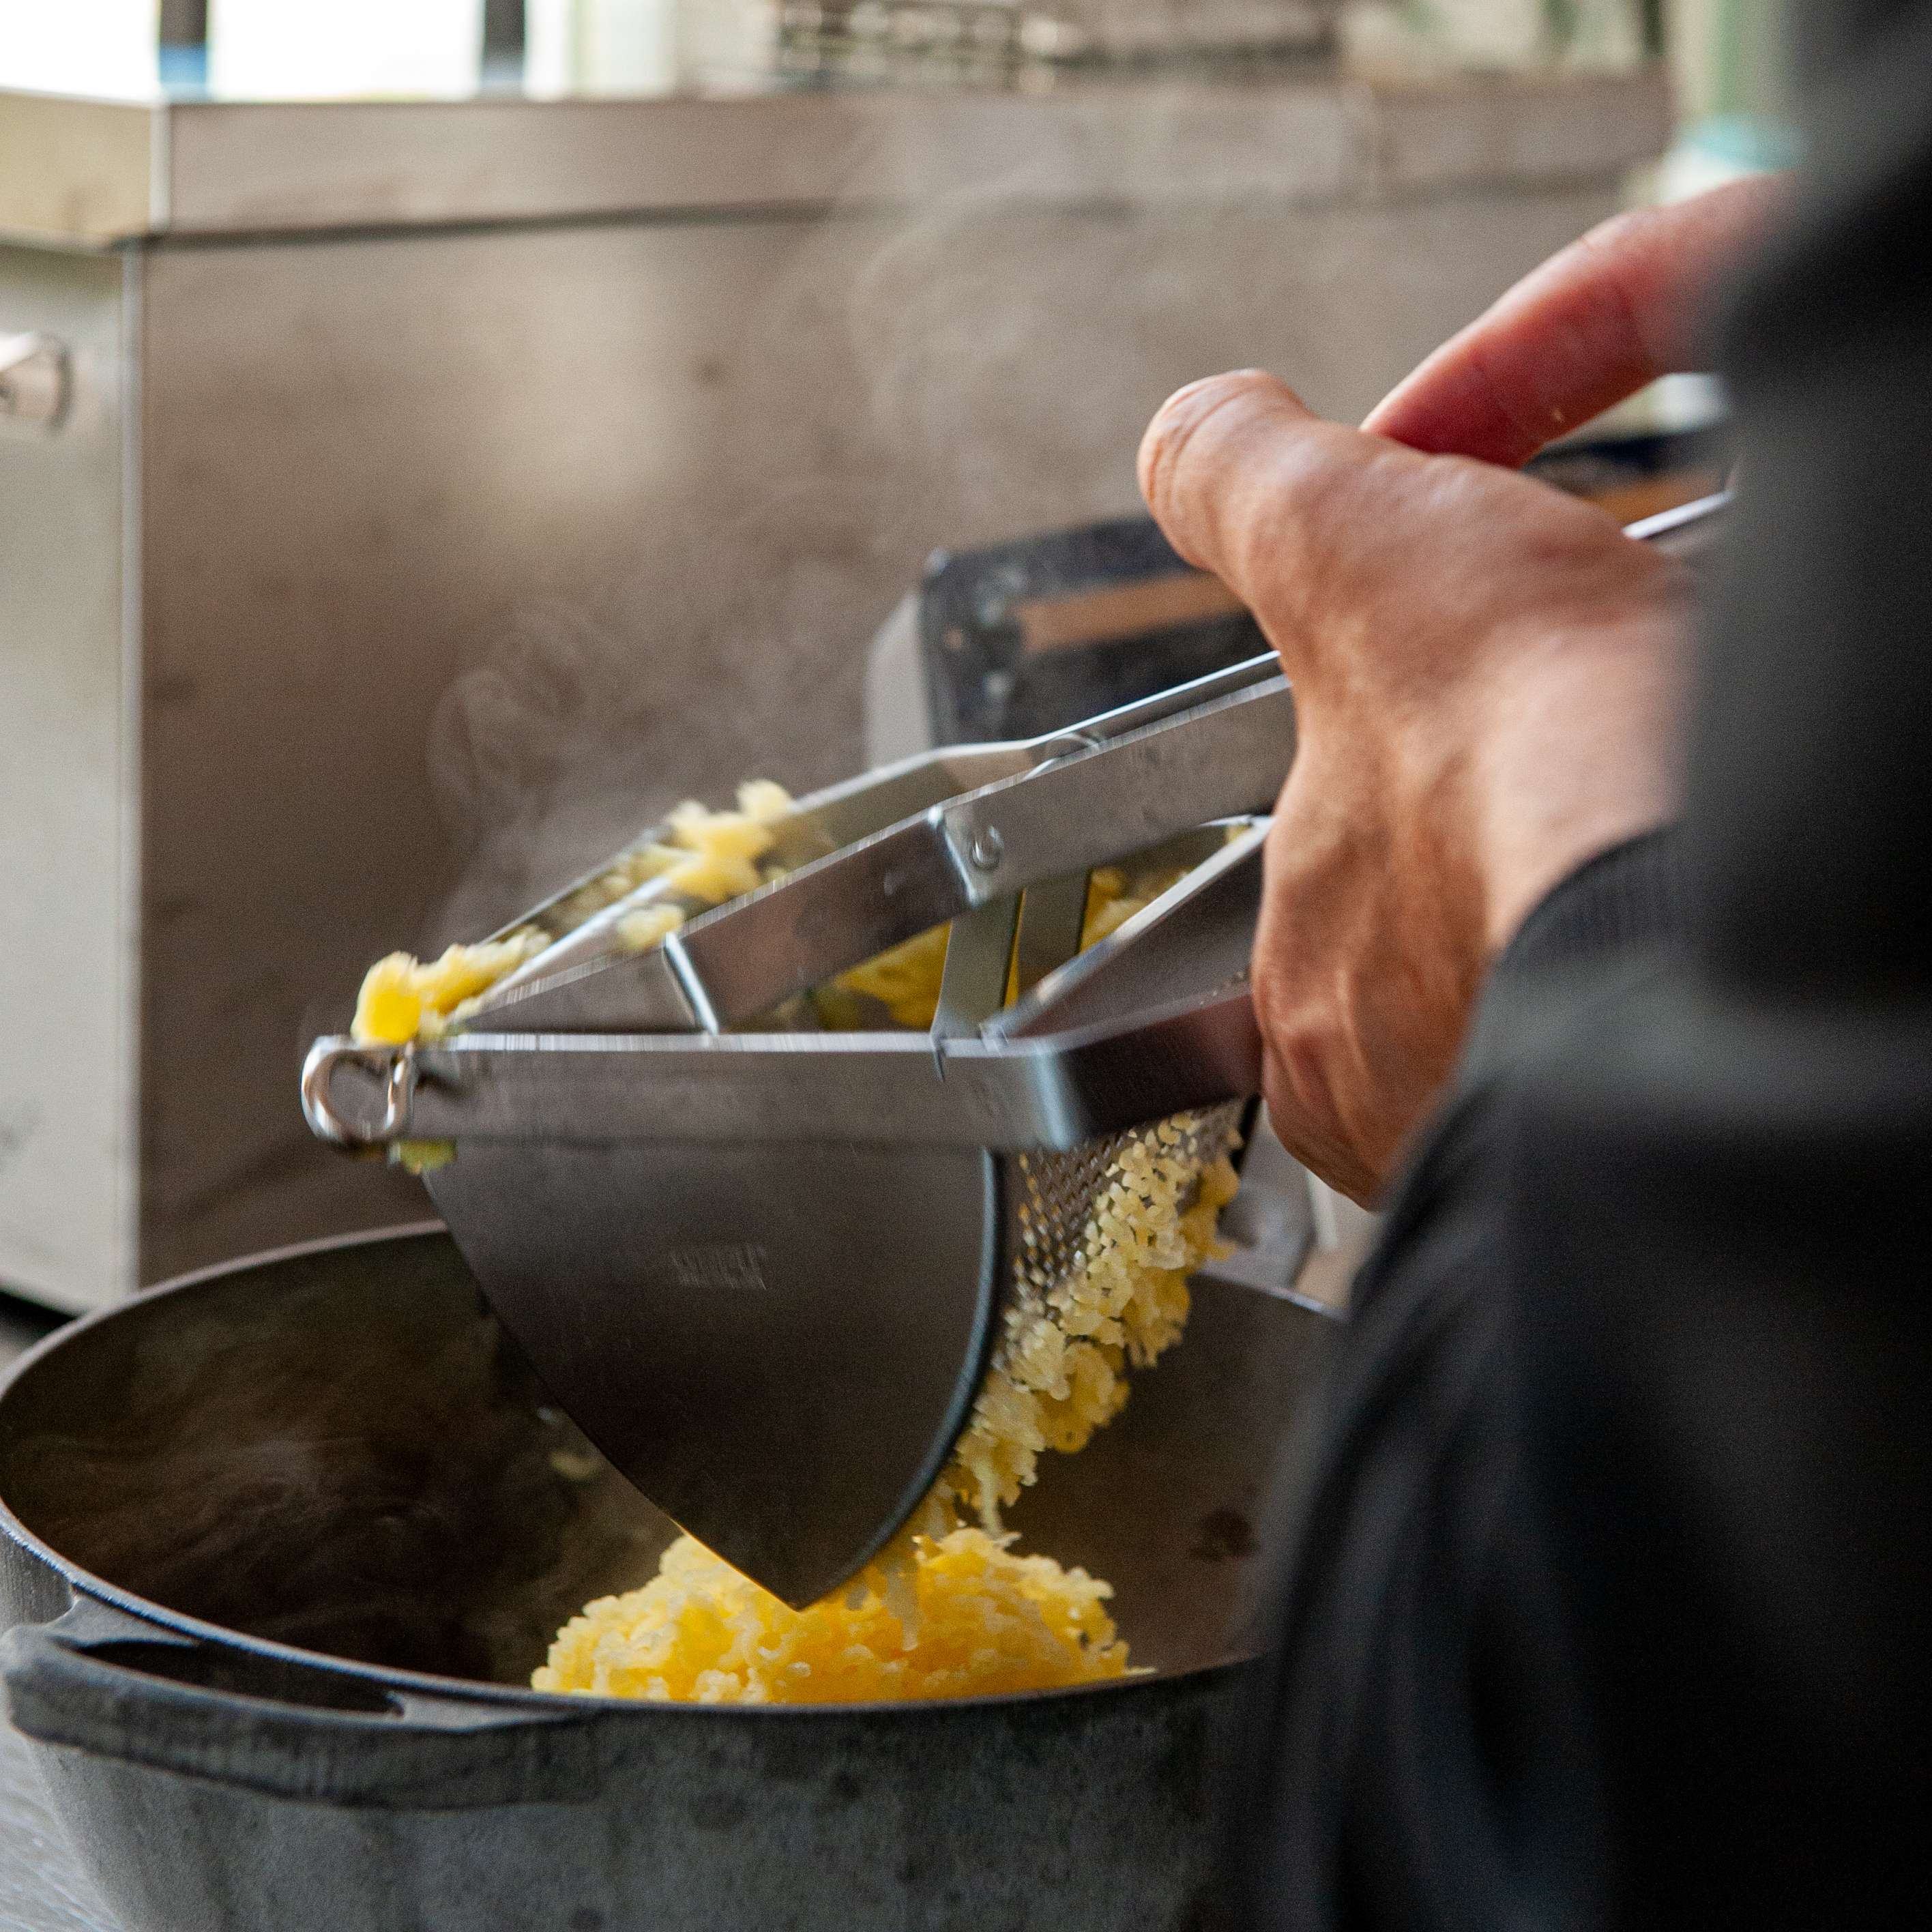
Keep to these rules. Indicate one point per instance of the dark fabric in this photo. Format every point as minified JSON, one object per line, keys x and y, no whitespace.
{"x":1624,"y":903}
{"x":1612,"y":1598}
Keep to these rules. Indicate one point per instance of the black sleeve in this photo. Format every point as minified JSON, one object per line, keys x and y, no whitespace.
{"x":1611,"y":1602}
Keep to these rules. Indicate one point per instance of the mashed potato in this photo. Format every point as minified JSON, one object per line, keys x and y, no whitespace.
{"x":946,"y":1611}
{"x":1059,"y":1369}
{"x":702,"y":859}
{"x":986,"y":1621}
{"x":905,"y":979}
{"x":405,"y":998}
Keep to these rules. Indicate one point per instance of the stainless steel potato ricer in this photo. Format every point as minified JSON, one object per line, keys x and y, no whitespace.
{"x":764,"y":1265}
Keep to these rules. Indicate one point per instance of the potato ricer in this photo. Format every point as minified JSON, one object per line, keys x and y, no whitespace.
{"x":765,"y":1265}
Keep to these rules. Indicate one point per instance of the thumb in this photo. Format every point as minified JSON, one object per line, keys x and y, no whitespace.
{"x":1228,"y":466}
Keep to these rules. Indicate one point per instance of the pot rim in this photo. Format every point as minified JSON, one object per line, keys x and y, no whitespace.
{"x":548,"y":1704}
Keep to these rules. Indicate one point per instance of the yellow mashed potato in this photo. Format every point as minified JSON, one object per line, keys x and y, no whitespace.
{"x":904,"y":979}
{"x":986,"y":1621}
{"x":405,"y":998}
{"x":1059,"y":1369}
{"x":946,"y":1611}
{"x":703,"y":859}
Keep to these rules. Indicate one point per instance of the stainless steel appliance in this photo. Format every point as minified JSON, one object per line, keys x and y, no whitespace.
{"x":432,"y":490}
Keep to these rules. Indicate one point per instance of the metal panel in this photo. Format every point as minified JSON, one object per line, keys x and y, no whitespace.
{"x":90,"y":171}
{"x":279,"y":167}
{"x":66,"y":943}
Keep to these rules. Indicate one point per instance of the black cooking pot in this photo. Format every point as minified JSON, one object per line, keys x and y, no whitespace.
{"x":283,"y":1542}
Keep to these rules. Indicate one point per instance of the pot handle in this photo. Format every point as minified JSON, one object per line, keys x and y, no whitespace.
{"x":103,"y":1680}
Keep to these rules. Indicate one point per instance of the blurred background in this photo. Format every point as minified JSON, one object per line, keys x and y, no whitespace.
{"x":437,"y":435}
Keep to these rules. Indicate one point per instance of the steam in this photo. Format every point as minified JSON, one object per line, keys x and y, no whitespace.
{"x":524,"y":746}
{"x":978,"y":370}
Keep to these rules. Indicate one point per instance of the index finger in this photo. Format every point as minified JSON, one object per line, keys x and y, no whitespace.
{"x":1593,"y":325}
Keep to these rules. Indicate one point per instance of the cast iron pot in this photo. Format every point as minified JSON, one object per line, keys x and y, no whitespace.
{"x":281,"y":1543}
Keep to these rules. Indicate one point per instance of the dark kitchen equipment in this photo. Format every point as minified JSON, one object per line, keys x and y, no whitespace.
{"x":1019,"y":639}
{"x":280,"y":1543}
{"x":1016,"y":639}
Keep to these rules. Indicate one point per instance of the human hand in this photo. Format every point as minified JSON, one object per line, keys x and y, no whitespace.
{"x":1613,"y":311}
{"x":1485,"y":673}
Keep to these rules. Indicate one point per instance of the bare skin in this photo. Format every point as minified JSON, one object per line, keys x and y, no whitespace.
{"x":1486,"y":672}
{"x":1593,"y":325}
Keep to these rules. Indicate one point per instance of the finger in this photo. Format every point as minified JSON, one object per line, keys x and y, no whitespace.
{"x":1228,"y":466}
{"x":1593,"y":325}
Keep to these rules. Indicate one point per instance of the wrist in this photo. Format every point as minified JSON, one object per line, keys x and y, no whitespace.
{"x":1577,"y":754}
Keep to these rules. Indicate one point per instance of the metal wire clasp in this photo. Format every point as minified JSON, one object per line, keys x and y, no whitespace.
{"x":394,"y":1067}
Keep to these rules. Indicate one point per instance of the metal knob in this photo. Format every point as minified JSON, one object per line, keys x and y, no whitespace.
{"x":33,"y":379}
